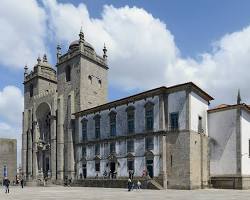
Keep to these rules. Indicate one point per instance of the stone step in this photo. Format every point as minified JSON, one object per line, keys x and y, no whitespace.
{"x":117,"y":183}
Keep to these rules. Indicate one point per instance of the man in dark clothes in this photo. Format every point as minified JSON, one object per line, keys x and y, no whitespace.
{"x":22,"y":183}
{"x":6,"y":183}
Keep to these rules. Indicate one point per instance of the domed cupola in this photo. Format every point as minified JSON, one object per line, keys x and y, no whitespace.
{"x":75,"y":46}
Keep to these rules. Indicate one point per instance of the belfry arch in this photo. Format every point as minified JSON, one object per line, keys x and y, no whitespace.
{"x":44,"y":143}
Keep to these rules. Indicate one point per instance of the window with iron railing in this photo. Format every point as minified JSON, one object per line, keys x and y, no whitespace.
{"x":97,"y":119}
{"x":112,"y":118}
{"x":83,"y":152}
{"x":84,"y":129}
{"x":130,"y":119}
{"x":149,"y":143}
{"x":149,"y":116}
{"x":130,"y":146}
{"x":112,"y":147}
{"x":174,"y":118}
{"x":97,"y":149}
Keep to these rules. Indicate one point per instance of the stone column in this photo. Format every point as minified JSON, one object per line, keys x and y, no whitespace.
{"x":70,"y":148}
{"x":24,"y":143}
{"x":34,"y":155}
{"x":29,"y":155}
{"x":163,"y":149}
{"x":60,"y":140}
{"x":70,"y":135}
{"x":53,"y":145}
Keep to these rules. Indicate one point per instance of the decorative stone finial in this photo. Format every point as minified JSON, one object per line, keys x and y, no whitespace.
{"x":38,"y":60}
{"x":81,"y":35}
{"x":58,"y":52}
{"x":238,"y":97}
{"x":25,"y":70}
{"x":45,"y":60}
{"x":105,"y":52}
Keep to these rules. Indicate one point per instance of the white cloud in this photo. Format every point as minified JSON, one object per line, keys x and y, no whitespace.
{"x":142,"y":52}
{"x":11,"y":104}
{"x":11,"y":107}
{"x":22,"y":32}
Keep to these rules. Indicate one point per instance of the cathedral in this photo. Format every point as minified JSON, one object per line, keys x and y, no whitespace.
{"x":167,"y":134}
{"x":50,"y":98}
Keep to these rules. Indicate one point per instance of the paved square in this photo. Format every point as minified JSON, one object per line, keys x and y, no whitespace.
{"x":73,"y":193}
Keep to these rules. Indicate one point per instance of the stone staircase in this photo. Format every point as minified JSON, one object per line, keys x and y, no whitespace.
{"x":40,"y":183}
{"x":117,"y":183}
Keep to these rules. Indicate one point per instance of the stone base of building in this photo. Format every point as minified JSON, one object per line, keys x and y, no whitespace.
{"x":230,"y":182}
{"x":35,"y":183}
{"x":118,"y":183}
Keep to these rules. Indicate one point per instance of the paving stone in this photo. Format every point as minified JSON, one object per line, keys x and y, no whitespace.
{"x":73,"y":193}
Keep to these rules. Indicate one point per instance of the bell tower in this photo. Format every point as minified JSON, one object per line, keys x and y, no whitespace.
{"x":82,"y":84}
{"x":39,"y":86}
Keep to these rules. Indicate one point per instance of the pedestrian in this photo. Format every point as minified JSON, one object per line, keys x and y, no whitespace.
{"x":6,"y":184}
{"x":70,"y":181}
{"x":138,"y":185}
{"x":132,"y":174}
{"x":66,"y":181}
{"x":22,"y":183}
{"x":129,"y":184}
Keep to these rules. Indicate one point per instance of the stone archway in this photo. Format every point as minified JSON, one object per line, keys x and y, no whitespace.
{"x":149,"y":162}
{"x":43,"y":116}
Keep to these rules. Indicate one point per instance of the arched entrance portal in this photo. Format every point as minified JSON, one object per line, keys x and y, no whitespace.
{"x":43,"y":115}
{"x":113,"y":166}
{"x":149,"y":158}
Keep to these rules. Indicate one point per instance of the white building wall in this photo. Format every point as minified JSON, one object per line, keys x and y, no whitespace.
{"x":177,"y":103}
{"x":121,"y":145}
{"x":121,"y":118}
{"x":222,"y":132}
{"x":245,"y":137}
{"x":198,"y":107}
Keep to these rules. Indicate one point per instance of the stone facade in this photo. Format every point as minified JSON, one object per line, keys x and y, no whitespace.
{"x":8,"y":158}
{"x":70,"y":131}
{"x":170,"y":151}
{"x":50,"y":97}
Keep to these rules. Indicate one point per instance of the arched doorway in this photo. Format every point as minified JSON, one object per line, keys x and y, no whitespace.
{"x":43,"y":116}
{"x":113,"y":165}
{"x":149,"y":158}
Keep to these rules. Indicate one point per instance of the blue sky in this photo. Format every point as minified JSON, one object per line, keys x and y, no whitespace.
{"x":195,"y":25}
{"x":150,"y":44}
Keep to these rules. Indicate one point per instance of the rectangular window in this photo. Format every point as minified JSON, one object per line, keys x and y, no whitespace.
{"x":112,"y":147}
{"x":112,"y":129}
{"x":97,"y":149}
{"x":97,"y":127}
{"x":149,"y":119}
{"x":130,"y":146}
{"x":130,"y":164}
{"x":112,"y":123}
{"x":97,"y":166}
{"x":174,"y":118}
{"x":84,"y":130}
{"x":131,"y":122}
{"x":83,"y":152}
{"x":149,"y":143}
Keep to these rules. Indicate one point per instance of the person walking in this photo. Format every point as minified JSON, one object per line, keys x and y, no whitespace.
{"x":138,"y":185}
{"x":129,"y":184}
{"x":22,"y":182}
{"x":6,"y":184}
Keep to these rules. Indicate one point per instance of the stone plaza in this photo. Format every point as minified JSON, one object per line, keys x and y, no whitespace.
{"x":74,"y":193}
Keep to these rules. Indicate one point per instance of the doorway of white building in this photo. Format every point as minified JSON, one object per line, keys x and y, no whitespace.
{"x":150,"y":167}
